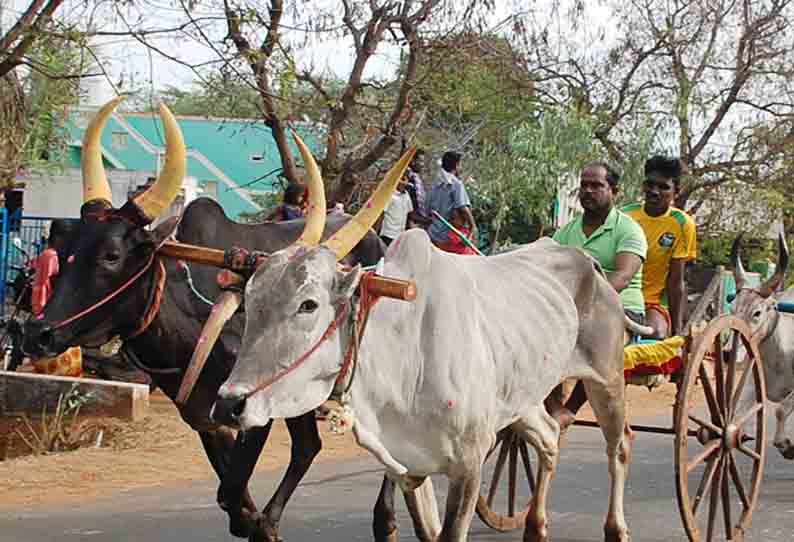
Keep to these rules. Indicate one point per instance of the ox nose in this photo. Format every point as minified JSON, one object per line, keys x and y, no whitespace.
{"x":227,"y":410}
{"x":39,"y":339}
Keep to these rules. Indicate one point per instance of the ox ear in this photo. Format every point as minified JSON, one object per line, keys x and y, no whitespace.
{"x":347,"y":282}
{"x":164,"y":230}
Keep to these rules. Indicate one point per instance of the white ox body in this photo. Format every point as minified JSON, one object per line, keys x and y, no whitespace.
{"x":479,"y":349}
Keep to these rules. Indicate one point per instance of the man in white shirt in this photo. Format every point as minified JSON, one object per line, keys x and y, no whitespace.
{"x":395,"y":217}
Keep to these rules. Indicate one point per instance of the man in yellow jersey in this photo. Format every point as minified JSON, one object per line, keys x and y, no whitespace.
{"x":672,"y":242}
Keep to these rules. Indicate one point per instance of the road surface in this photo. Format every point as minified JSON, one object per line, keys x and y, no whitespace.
{"x":334,"y":503}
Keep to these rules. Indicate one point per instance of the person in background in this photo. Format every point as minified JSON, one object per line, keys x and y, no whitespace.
{"x":449,"y":199}
{"x":394,"y":219}
{"x":672,"y":242}
{"x":47,"y":267}
{"x":293,"y":205}
{"x":416,"y":189}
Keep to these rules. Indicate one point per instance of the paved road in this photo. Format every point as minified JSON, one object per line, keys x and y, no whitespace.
{"x":334,"y":502}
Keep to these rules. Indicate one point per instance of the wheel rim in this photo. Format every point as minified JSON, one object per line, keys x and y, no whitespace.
{"x":512,"y":469}
{"x":720,"y":441}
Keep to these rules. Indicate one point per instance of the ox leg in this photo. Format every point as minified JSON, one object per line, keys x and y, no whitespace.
{"x":227,"y":456}
{"x":461,"y":503}
{"x":541,"y":430}
{"x":384,"y":520}
{"x":306,"y":444}
{"x":782,"y":413}
{"x":609,"y":407}
{"x":423,"y":508}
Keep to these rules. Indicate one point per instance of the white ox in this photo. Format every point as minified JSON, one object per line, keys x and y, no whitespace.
{"x":775,"y":334}
{"x":479,"y":349}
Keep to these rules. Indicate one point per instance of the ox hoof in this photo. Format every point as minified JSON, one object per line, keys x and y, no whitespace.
{"x":242,"y":524}
{"x":263,"y":531}
{"x":614,"y":534}
{"x":786,"y":448}
{"x":393,"y":536}
{"x":535,"y":531}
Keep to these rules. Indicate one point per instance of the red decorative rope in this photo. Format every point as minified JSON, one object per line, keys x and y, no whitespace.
{"x":341,"y":313}
{"x":366,"y":301}
{"x":112,"y":295}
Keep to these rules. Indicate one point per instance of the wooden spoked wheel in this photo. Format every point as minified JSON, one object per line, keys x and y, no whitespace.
{"x":720,"y":433}
{"x":508,"y":514}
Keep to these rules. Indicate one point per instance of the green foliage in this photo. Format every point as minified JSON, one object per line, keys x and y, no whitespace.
{"x":517,"y":182}
{"x":474,"y":80}
{"x":34,"y":104}
{"x":268,"y":202}
{"x":49,"y":99}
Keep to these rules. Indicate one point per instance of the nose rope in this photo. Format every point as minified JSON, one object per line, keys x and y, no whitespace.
{"x":154,"y":301}
{"x":341,"y":314}
{"x":366,"y":302}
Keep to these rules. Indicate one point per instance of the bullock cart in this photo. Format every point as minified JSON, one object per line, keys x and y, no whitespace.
{"x":719,"y":441}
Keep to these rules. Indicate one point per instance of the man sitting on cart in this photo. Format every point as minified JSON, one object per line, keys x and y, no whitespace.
{"x":610,"y":236}
{"x":617,"y":242}
{"x":671,"y":237}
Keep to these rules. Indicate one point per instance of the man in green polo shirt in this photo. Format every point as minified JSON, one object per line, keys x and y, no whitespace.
{"x":613,"y":238}
{"x":618,"y":243}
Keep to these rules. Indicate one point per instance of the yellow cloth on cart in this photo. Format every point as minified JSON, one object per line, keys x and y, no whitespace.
{"x":652,"y":354}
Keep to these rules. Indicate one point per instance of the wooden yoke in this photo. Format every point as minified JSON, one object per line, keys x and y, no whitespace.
{"x":239,"y":261}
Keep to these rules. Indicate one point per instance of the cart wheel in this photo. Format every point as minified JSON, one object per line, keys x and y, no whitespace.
{"x":720,"y":441}
{"x":520,"y":487}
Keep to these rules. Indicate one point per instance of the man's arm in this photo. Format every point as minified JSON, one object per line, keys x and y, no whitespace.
{"x":676,"y":294}
{"x":626,"y":266}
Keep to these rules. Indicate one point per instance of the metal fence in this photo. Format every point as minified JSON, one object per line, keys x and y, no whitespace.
{"x":32,"y":234}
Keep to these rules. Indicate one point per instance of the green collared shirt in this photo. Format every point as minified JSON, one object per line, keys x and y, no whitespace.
{"x":618,"y":233}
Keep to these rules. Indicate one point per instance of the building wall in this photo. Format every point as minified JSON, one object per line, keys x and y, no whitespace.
{"x":60,"y":194}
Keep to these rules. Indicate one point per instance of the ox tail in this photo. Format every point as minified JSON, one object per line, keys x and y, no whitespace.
{"x":638,"y":329}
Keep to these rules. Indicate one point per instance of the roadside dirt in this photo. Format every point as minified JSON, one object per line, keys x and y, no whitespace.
{"x":161,"y":451}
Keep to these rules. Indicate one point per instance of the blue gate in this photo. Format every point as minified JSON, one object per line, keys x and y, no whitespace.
{"x":32,"y":234}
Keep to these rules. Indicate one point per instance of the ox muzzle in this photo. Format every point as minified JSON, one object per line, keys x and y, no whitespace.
{"x":228,"y":409}
{"x":43,"y":340}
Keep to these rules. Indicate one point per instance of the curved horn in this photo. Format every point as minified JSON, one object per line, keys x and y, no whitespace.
{"x":769,"y":287}
{"x":351,"y":233}
{"x":736,"y":261}
{"x":162,"y":193}
{"x":95,"y":182}
{"x":315,"y":217}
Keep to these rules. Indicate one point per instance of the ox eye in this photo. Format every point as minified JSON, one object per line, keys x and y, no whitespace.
{"x":308,"y":306}
{"x":112,"y":257}
{"x":757,"y":314}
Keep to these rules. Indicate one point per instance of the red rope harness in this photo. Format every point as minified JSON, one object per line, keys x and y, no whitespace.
{"x":366,"y":302}
{"x":154,"y":304}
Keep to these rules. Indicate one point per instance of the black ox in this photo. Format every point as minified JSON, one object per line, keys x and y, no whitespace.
{"x":113,"y":252}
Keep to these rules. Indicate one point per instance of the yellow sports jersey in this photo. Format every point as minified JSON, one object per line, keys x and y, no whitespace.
{"x":670,"y":236}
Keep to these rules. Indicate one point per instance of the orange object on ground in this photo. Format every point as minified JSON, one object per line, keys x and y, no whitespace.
{"x":70,"y":363}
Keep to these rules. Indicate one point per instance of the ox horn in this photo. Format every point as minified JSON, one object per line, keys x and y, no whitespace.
{"x":162,"y":193}
{"x":223,"y":309}
{"x":95,"y":181}
{"x":315,"y":217}
{"x":736,"y":261}
{"x":769,"y":287}
{"x":351,"y":233}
